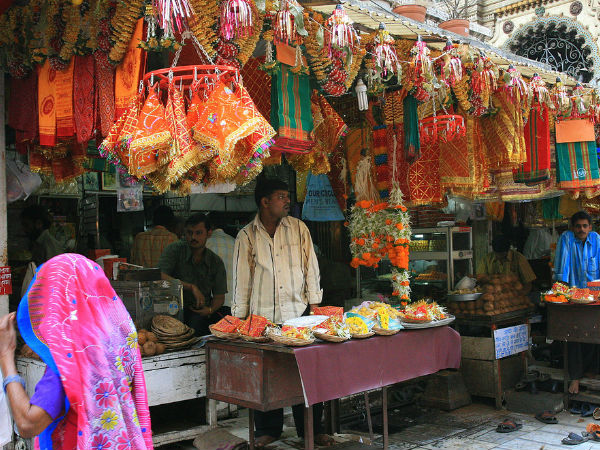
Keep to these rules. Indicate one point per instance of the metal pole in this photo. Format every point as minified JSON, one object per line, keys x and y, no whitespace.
{"x":3,"y":234}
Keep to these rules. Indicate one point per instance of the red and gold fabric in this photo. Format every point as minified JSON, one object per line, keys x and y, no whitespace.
{"x":104,"y":82}
{"x":537,"y":142}
{"x":23,"y":111}
{"x":65,"y":125}
{"x":47,"y":104}
{"x":424,"y":177}
{"x":151,"y":142}
{"x":83,"y":98}
{"x":129,"y":71}
{"x":504,"y":134}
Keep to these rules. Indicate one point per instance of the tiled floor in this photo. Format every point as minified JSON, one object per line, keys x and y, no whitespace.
{"x":469,"y":428}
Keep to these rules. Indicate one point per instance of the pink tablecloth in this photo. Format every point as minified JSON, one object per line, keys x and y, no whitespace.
{"x":329,"y":371}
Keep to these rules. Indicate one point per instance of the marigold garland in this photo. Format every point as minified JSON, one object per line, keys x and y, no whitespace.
{"x":122,"y":27}
{"x":203,"y":23}
{"x":379,"y":230}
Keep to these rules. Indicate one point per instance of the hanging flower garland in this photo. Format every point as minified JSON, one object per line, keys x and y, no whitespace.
{"x":386,"y":59}
{"x":561,"y":100}
{"x":484,"y":82}
{"x":204,"y":24}
{"x":327,"y":61}
{"x":451,"y":68}
{"x":379,"y":230}
{"x":419,"y":73}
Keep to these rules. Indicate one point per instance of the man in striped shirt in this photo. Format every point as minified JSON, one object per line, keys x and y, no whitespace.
{"x":149,"y":245}
{"x":276,"y":275}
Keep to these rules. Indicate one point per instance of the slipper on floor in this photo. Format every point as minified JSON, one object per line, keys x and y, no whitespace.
{"x":575,"y":439}
{"x":587,"y":410}
{"x":508,"y":426}
{"x":546,"y":417}
{"x":575,"y":409}
{"x":596,"y":414}
{"x":593,"y":436}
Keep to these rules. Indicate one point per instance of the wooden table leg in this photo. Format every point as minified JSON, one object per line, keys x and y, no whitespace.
{"x":566,"y":375}
{"x":309,"y":430}
{"x":251,"y":428}
{"x":368,"y":411}
{"x":384,"y":412}
{"x":335,"y":416}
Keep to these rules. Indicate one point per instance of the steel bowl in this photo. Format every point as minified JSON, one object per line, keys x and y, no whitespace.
{"x":464,"y":297}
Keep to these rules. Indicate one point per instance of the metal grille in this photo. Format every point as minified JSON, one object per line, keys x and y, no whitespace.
{"x":558,"y":46}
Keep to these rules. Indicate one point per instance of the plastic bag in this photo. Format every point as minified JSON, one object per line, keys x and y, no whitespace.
{"x":320,"y":204}
{"x":20,"y":181}
{"x":466,"y":283}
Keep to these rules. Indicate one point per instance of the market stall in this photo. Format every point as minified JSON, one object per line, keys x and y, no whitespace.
{"x":269,"y":376}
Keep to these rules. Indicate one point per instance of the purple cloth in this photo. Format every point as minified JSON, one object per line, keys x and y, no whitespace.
{"x":49,"y":394}
{"x":329,"y":371}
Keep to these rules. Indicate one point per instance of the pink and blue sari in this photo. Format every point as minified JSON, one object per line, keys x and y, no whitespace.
{"x":73,"y":319}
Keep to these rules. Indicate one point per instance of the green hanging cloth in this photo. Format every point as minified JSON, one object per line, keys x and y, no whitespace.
{"x":412,"y":143}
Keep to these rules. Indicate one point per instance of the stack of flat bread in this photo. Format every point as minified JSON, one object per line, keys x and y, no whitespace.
{"x":174,"y":334}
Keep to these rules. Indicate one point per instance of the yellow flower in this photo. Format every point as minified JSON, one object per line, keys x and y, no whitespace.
{"x":132,"y":339}
{"x":109,"y":419}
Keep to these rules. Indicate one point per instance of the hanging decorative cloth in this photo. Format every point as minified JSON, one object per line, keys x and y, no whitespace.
{"x":462,"y":167}
{"x":151,"y":141}
{"x":412,"y":141}
{"x":128,"y":73}
{"x":183,"y":155}
{"x":577,"y":166}
{"x":65,"y":126}
{"x":47,"y":104}
{"x":495,"y":211}
{"x":23,"y":111}
{"x":424,"y":177}
{"x":104,"y":81}
{"x":108,"y":147}
{"x":291,"y":113}
{"x":229,"y":115}
{"x":537,"y":142}
{"x":504,"y":135}
{"x":83,"y":98}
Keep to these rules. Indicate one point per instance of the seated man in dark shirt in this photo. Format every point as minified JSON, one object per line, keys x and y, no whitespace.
{"x":201,"y":272}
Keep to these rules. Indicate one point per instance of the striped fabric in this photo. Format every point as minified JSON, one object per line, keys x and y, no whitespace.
{"x":149,"y":245}
{"x":275,"y":277}
{"x":577,"y":165}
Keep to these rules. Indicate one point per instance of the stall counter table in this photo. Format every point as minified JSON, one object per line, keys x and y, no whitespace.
{"x":570,"y":322}
{"x":170,"y":377}
{"x":269,"y":376}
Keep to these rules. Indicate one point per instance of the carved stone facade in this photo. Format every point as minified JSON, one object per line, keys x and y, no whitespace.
{"x":562,"y":33}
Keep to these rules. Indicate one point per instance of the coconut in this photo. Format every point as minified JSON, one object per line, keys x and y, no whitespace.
{"x":149,"y":348}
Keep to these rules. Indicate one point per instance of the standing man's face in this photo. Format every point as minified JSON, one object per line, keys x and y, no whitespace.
{"x":581,"y":229}
{"x":278,"y":204}
{"x":196,"y":235}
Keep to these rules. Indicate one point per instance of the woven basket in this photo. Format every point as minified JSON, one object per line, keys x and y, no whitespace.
{"x":363,"y":336}
{"x":169,"y":325}
{"x":581,"y":301}
{"x":245,"y":337}
{"x":222,"y":334}
{"x":293,"y":342}
{"x":383,"y":332}
{"x":330,"y":338}
{"x":407,"y":320}
{"x":182,"y":345}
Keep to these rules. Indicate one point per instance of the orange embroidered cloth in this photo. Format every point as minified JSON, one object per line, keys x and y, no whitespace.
{"x":47,"y":104}
{"x":128,"y":73}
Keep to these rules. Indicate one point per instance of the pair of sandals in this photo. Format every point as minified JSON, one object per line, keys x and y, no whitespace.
{"x":508,"y":426}
{"x":576,"y":439}
{"x":586,"y":410}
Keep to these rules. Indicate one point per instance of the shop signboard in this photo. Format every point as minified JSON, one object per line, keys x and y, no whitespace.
{"x":511,"y":340}
{"x":5,"y":281}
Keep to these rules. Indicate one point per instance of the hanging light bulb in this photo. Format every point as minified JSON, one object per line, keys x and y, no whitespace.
{"x":361,"y":94}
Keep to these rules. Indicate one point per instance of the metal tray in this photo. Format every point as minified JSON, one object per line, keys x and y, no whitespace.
{"x":464,"y":297}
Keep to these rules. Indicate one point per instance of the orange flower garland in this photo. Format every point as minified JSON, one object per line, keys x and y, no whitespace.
{"x":379,"y":230}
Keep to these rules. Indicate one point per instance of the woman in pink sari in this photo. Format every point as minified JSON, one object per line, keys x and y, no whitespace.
{"x":93,"y":393}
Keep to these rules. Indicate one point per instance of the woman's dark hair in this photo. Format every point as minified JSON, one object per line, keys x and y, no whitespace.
{"x":580,"y":215}
{"x":196,"y":219}
{"x":266,"y":186}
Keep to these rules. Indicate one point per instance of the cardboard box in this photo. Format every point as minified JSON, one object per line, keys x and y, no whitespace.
{"x":97,"y":253}
{"x":109,"y":265}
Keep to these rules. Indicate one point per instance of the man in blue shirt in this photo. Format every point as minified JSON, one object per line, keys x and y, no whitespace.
{"x":577,"y":261}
